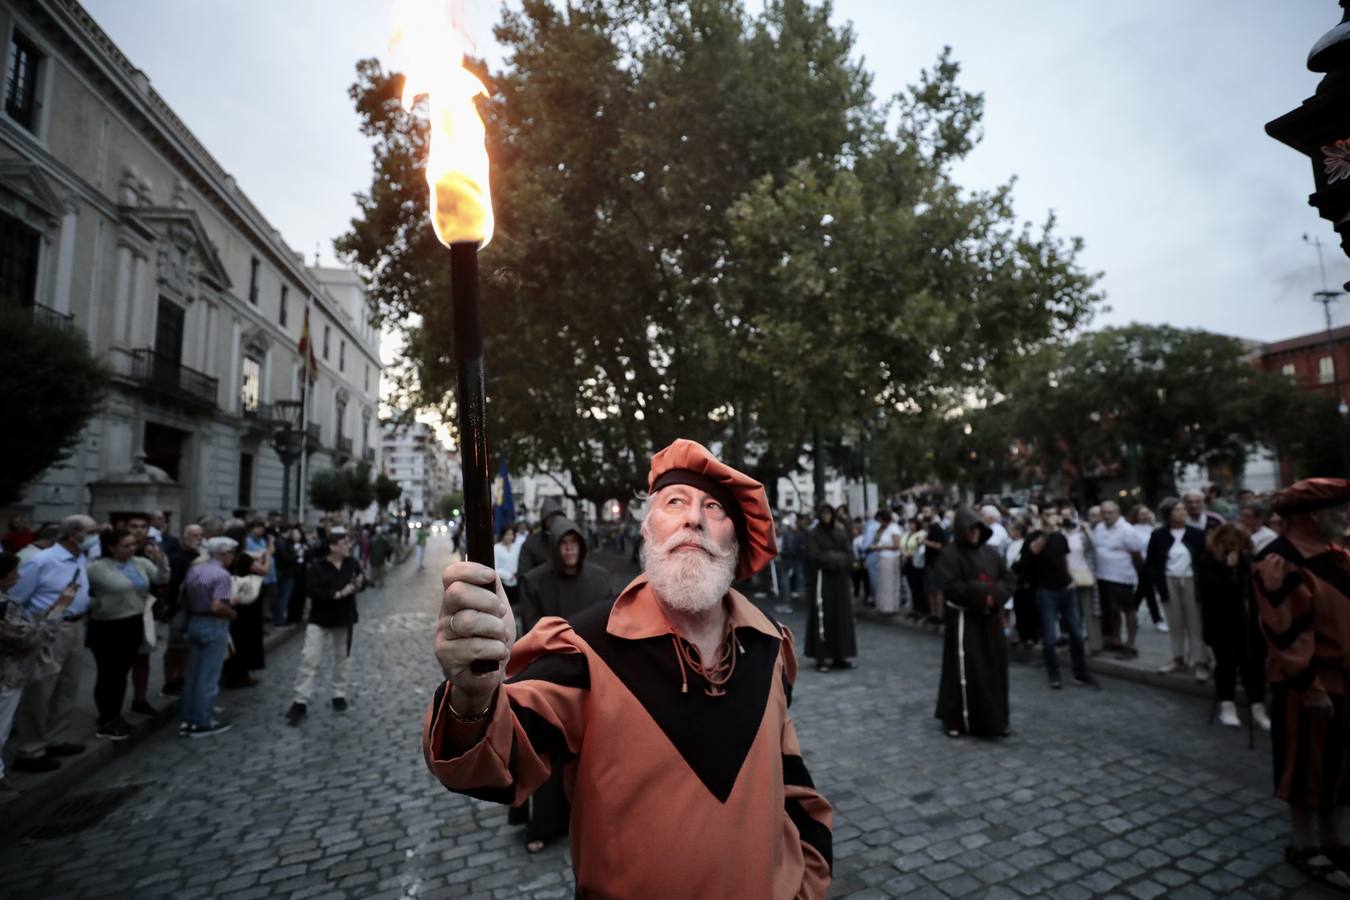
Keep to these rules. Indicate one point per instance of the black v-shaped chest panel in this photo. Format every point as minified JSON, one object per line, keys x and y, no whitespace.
{"x":712,"y":734}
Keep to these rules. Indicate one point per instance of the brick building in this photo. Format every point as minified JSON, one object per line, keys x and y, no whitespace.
{"x":1315,"y":361}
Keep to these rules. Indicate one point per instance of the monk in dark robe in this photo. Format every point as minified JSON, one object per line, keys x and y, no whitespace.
{"x":830,"y":635}
{"x":563,"y":586}
{"x":975,"y":583}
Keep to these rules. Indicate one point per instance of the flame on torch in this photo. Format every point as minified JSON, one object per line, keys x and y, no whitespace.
{"x":430,"y":48}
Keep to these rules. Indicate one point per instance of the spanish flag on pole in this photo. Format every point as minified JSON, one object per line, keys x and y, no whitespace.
{"x":306,"y":349}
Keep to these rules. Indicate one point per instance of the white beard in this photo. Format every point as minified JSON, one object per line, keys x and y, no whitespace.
{"x":686,"y":581}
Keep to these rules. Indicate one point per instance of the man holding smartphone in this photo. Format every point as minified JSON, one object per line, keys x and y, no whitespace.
{"x":332,"y":582}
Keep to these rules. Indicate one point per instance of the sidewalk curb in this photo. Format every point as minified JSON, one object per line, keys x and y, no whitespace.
{"x":38,"y":800}
{"x":1111,"y":668}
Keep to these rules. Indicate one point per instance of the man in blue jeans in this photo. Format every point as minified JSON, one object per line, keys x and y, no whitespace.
{"x":1045,"y":563}
{"x":206,"y":591}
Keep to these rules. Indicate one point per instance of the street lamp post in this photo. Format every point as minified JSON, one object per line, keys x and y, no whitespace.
{"x":286,"y":442}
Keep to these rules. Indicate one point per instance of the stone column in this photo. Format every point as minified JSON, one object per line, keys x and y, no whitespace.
{"x":202,"y":359}
{"x":65,"y":256}
{"x":122,"y":296}
{"x":232,"y":388}
{"x":136,"y":323}
{"x":210,"y":337}
{"x":93,"y":307}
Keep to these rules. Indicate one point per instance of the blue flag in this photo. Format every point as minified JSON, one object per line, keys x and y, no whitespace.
{"x":503,"y":504}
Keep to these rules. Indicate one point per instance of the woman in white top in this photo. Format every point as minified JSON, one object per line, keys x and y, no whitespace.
{"x":506,"y":554}
{"x":887,"y":548}
{"x":1173,"y":551}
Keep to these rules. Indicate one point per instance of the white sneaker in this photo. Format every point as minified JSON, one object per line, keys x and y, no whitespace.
{"x":1171,"y":668}
{"x":1161,"y":626}
{"x":1228,"y":714}
{"x":1259,"y":716}
{"x":1201,"y":672}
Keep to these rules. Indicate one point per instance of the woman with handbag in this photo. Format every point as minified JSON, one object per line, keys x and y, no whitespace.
{"x":119,"y":604}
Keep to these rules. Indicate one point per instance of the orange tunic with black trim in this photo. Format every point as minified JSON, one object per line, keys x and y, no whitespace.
{"x":1303,"y":594}
{"x":673,"y":794}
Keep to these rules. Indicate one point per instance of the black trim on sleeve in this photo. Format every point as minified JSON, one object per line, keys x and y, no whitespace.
{"x":1287,"y":637}
{"x":1302,"y":681}
{"x":813,"y":833}
{"x":1322,"y":566}
{"x":1282,"y":548}
{"x":794,"y":772}
{"x":1276,"y":598}
{"x":563,"y":669}
{"x":546,"y":739}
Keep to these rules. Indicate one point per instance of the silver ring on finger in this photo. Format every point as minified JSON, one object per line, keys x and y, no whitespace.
{"x":450,"y":623}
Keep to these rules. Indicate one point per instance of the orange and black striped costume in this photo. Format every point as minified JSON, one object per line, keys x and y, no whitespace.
{"x":674,"y":794}
{"x":1303,"y":595}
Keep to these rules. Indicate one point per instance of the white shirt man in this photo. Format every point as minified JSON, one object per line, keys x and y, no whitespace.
{"x":994,"y":519}
{"x":1116,"y":544}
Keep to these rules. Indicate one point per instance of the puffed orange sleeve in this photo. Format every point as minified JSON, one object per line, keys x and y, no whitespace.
{"x":537,"y":722}
{"x":1285,"y":595}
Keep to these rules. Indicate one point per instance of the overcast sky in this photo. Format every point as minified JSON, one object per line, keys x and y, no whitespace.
{"x":1139,"y":123}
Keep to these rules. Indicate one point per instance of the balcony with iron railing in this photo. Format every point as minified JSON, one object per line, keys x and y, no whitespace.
{"x":171,"y":380}
{"x":343,"y":446}
{"x":45,"y":315}
{"x":368,"y":455}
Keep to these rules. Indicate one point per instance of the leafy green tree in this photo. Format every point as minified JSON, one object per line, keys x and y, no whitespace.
{"x":387,"y":490}
{"x":328,"y":490}
{"x":1141,"y":401}
{"x":54,"y":387}
{"x":708,"y":227}
{"x":358,"y":489}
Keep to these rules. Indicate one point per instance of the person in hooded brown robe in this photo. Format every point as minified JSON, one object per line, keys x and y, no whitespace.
{"x":975,"y":583}
{"x":830,"y":634}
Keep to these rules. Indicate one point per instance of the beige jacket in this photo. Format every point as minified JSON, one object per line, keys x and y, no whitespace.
{"x":111,"y":594}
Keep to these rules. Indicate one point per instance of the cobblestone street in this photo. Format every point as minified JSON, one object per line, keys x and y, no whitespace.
{"x":1124,"y":793}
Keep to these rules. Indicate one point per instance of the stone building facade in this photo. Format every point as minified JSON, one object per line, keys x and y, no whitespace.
{"x":413,"y":456}
{"x":117,"y":222}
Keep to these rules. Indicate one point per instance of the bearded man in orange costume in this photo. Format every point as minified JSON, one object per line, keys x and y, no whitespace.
{"x":667,"y":709}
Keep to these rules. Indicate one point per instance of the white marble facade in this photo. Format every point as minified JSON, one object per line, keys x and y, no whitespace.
{"x":147,"y":245}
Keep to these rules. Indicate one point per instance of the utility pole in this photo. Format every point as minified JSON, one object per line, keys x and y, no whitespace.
{"x":1325,"y":297}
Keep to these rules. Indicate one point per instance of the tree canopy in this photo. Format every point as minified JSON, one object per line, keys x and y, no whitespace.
{"x":708,"y":227}
{"x":1133,"y":404}
{"x":54,"y":386}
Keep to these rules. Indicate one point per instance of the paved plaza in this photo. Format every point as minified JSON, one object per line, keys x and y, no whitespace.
{"x":1124,"y":793}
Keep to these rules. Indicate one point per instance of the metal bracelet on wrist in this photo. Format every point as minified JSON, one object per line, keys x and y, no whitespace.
{"x":468,"y":720}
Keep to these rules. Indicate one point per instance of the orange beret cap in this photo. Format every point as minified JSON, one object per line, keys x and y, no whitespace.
{"x":1311,"y":494}
{"x":758,"y":546}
